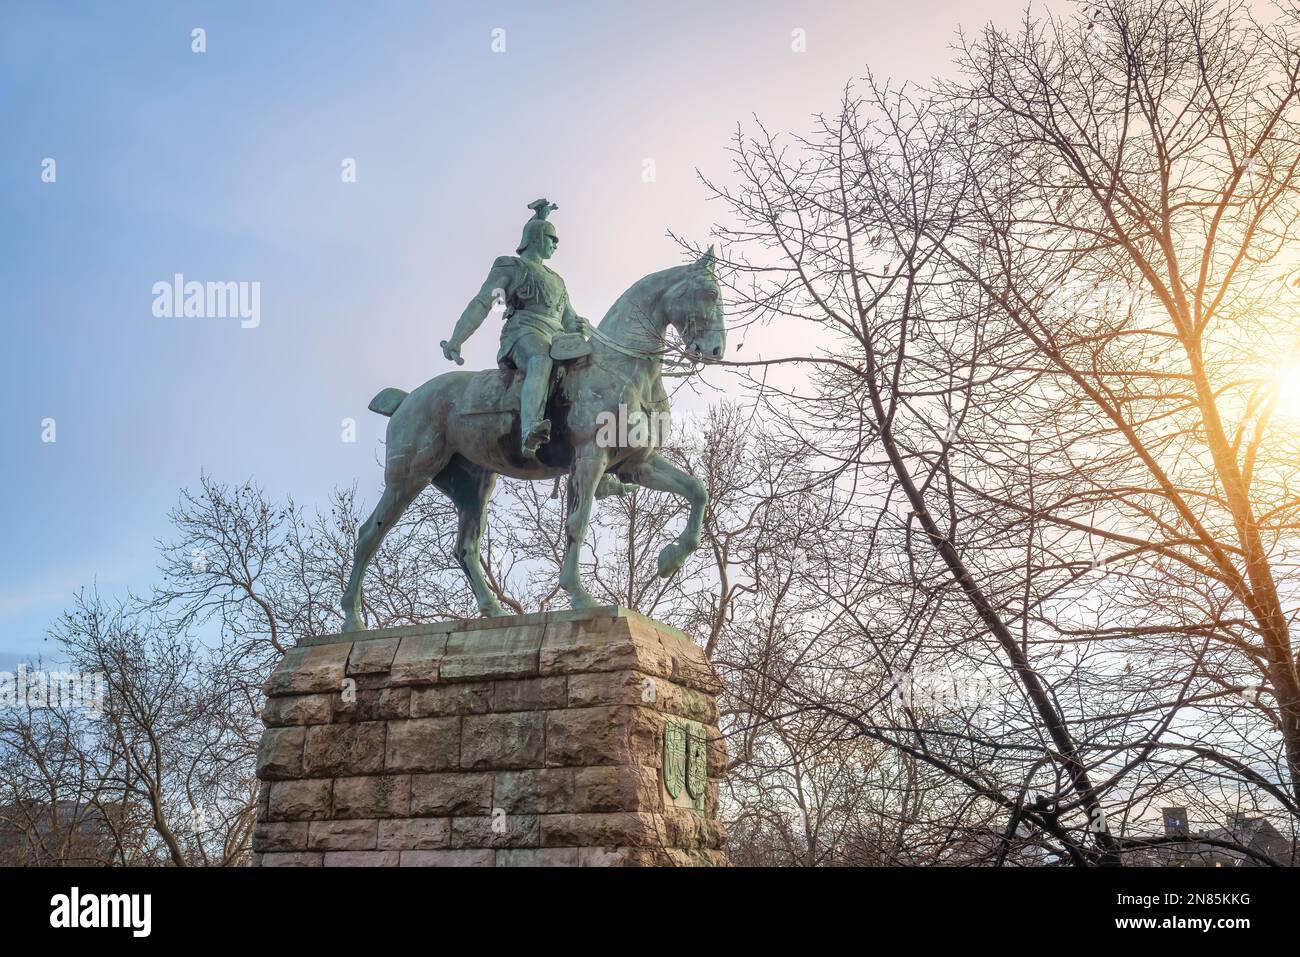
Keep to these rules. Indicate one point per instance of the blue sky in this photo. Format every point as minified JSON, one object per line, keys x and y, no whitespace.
{"x":225,"y":166}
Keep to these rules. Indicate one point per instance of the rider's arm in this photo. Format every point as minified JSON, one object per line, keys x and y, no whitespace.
{"x":496,"y":287}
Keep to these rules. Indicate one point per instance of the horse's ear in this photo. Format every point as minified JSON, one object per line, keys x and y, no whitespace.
{"x":707,"y":261}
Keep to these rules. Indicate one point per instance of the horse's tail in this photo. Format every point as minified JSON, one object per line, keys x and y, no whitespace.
{"x":387,"y":401}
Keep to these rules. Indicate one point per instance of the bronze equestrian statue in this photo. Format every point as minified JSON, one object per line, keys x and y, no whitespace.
{"x":543,"y":413}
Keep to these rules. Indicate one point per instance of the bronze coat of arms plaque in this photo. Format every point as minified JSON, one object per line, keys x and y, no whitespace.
{"x":697,"y":761}
{"x":674,"y":757}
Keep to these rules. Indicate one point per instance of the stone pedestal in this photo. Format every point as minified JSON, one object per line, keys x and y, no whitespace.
{"x":570,"y":738}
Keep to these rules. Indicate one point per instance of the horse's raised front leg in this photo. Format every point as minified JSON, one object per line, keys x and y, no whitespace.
{"x":470,"y":487}
{"x":658,"y":473}
{"x":397,"y":496}
{"x":588,"y":467}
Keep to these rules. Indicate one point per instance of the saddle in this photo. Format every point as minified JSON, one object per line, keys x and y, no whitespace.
{"x":569,"y":346}
{"x":498,"y":390}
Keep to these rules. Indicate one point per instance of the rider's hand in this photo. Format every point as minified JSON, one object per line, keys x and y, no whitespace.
{"x":451,"y":352}
{"x":584,"y":327}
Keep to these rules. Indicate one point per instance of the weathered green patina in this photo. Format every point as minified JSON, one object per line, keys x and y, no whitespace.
{"x":460,"y":430}
{"x":537,"y":309}
{"x":674,"y":757}
{"x":686,"y":763}
{"x":697,"y":761}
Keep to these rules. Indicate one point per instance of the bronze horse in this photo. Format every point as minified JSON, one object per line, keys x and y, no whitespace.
{"x":460,"y":430}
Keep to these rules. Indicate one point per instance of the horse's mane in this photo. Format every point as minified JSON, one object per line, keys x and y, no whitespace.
{"x":641,"y":293}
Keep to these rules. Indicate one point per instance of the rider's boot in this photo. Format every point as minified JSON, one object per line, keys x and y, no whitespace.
{"x":537,"y":436}
{"x":534,"y":430}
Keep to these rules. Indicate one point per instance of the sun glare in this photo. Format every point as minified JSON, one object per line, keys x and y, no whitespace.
{"x":1286,"y":385}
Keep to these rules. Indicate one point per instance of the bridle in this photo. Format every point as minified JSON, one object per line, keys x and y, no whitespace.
{"x":673,"y":368}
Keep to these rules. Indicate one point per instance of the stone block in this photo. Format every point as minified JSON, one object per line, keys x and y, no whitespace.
{"x":537,"y":857}
{"x":280,"y":836}
{"x":280,"y":754}
{"x":452,"y":793}
{"x":537,"y":791}
{"x":717,"y":754}
{"x":376,"y":795}
{"x":649,"y":857}
{"x":633,"y":688}
{"x":417,"y":658}
{"x":309,"y":669}
{"x":615,"y":788}
{"x":342,"y":835}
{"x":690,"y":703}
{"x":503,"y":740}
{"x":476,"y":857}
{"x":423,"y":744}
{"x":285,"y":710}
{"x":496,"y":830}
{"x":576,"y":647}
{"x":373,"y":704}
{"x":498,"y":652}
{"x":300,"y":800}
{"x":344,"y":749}
{"x":622,"y":829}
{"x":690,"y":666}
{"x":292,"y":859}
{"x":531,"y":694}
{"x":362,"y":858}
{"x":375,"y":654}
{"x":603,"y":688}
{"x":414,"y":834}
{"x":579,"y":737}
{"x":463,"y":697}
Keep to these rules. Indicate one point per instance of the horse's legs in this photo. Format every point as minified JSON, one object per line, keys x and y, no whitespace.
{"x":588,"y":467}
{"x":398,"y":494}
{"x":469,"y":487}
{"x":658,"y":473}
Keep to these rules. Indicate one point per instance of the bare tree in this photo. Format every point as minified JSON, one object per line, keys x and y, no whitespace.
{"x":1078,"y":493}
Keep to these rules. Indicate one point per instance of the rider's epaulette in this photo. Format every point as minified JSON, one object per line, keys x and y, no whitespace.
{"x":502,"y":262}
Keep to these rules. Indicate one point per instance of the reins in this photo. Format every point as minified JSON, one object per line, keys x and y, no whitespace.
{"x":688,"y":365}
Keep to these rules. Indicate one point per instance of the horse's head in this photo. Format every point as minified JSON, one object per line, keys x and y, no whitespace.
{"x":694,"y":307}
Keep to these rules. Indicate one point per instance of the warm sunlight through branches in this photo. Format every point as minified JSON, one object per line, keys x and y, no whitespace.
{"x":1285,"y":386}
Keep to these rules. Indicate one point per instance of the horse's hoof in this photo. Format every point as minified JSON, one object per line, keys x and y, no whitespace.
{"x":493,"y":610}
{"x":609,"y":485}
{"x":353,"y":622}
{"x":581,"y":599}
{"x":671,"y":560}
